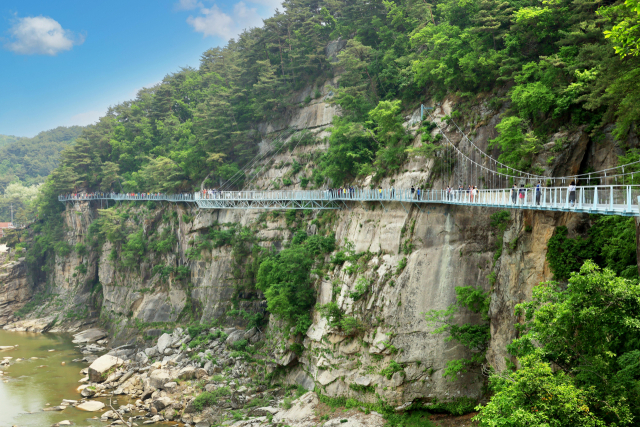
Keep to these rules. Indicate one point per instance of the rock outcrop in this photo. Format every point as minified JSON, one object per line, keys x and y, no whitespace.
{"x":15,"y":290}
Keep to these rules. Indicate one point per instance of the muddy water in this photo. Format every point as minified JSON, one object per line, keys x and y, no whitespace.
{"x":28,"y":385}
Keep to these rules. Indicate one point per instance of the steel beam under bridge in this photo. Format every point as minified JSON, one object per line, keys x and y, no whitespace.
{"x":267,"y":204}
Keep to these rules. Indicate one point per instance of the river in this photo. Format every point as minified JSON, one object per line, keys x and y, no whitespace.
{"x":27,"y":386}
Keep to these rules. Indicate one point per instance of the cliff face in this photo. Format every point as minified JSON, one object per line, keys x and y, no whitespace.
{"x":441,"y":247}
{"x":15,"y":291}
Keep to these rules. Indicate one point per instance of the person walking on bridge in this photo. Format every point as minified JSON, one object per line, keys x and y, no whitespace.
{"x":521,"y":193}
{"x":413,"y":190}
{"x":380,"y":191}
{"x":514,"y":194}
{"x":538,"y":192}
{"x":572,"y":193}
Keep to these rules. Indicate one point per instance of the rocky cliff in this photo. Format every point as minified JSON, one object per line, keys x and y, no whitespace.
{"x":411,"y":258}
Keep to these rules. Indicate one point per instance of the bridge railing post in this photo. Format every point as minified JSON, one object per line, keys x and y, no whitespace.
{"x":611,"y":198}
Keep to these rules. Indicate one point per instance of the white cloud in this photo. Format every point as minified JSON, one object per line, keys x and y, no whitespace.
{"x":188,"y":5}
{"x":40,"y":35}
{"x":215,"y":23}
{"x":86,"y":118}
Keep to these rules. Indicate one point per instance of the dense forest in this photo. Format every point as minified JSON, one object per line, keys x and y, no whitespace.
{"x":7,"y":139}
{"x":31,"y":160}
{"x":553,"y":64}
{"x":25,"y":163}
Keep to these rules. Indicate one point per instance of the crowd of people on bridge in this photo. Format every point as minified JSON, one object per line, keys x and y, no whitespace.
{"x":112,"y":195}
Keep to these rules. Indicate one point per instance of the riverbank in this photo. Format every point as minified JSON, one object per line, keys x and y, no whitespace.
{"x":209,"y":377}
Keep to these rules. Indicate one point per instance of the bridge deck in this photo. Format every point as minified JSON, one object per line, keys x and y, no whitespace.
{"x":606,"y":200}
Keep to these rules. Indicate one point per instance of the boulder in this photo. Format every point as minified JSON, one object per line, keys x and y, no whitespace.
{"x":102,"y":367}
{"x":164,"y":342}
{"x":151,"y":351}
{"x":142,"y":358}
{"x":250,"y":333}
{"x":363,"y":380}
{"x":162,"y":402}
{"x":91,"y":406}
{"x":88,"y":392}
{"x":200,"y":373}
{"x":397,"y":379}
{"x":93,"y":348}
{"x":170,"y":386}
{"x":90,"y":335}
{"x":159,"y":378}
{"x":234,"y":336}
{"x":187,"y":373}
{"x":263,"y":412}
{"x":6,"y":347}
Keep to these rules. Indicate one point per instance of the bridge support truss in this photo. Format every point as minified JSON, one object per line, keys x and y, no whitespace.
{"x":267,"y":204}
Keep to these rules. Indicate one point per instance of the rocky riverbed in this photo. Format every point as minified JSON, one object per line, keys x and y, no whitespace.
{"x":200,"y":385}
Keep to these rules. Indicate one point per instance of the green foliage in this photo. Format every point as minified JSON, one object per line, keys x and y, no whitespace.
{"x":459,"y":406}
{"x":361,"y":288}
{"x":285,"y":280}
{"x":517,"y":147}
{"x":81,"y":268}
{"x":500,"y":221}
{"x":578,"y":353}
{"x":332,"y":312}
{"x":31,"y":160}
{"x":81,"y":249}
{"x":401,"y":265}
{"x":209,"y":398}
{"x":165,"y":242}
{"x":240,"y":345}
{"x":351,"y":325}
{"x":474,"y":336}
{"x":391,"y":369}
{"x":134,"y":249}
{"x":220,"y":237}
{"x":611,"y":243}
{"x":62,"y":248}
{"x":626,"y":33}
{"x":36,"y":301}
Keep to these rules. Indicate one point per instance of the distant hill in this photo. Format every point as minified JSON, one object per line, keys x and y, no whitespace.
{"x":32,"y":159}
{"x":7,"y":139}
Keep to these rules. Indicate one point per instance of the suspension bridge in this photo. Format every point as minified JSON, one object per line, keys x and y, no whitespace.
{"x":462,"y":164}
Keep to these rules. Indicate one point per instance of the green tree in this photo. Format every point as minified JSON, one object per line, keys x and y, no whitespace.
{"x":284,"y":279}
{"x":517,"y":148}
{"x":589,"y":332}
{"x":626,"y":33}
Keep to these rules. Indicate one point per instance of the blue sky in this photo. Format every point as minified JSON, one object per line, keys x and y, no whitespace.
{"x":65,"y":62}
